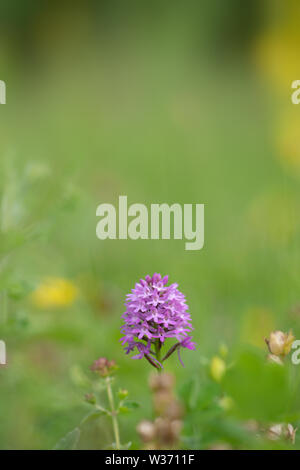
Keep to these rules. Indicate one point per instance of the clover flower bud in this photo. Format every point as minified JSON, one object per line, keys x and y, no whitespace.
{"x":103,"y":367}
{"x":90,"y":398}
{"x":122,"y":394}
{"x":280,"y":343}
{"x":112,"y":365}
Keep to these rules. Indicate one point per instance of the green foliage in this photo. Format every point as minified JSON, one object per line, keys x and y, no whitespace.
{"x":260,"y":390}
{"x":142,"y":112}
{"x":127,"y":406}
{"x":70,"y":441}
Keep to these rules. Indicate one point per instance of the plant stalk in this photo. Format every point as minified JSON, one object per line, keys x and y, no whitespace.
{"x":158,"y":354}
{"x":113,"y":413}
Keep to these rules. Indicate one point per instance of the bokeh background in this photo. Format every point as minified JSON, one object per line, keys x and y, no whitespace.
{"x":185,"y":102}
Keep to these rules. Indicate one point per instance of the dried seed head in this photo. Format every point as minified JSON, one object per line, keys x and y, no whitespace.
{"x":275,"y":432}
{"x":103,"y":366}
{"x":174,"y":410}
{"x":167,"y":431}
{"x":161,"y":382}
{"x":279,"y":431}
{"x":146,"y":430}
{"x":161,"y":401}
{"x":220,"y":446}
{"x":280,"y":343}
{"x":291,"y":433}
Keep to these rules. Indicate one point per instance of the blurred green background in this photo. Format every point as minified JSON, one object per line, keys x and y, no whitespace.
{"x":183,"y":102}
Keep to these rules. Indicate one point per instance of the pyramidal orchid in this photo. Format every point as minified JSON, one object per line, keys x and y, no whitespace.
{"x":155,"y":313}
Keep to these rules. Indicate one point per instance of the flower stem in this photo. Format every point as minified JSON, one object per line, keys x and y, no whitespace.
{"x":157,"y":353}
{"x":113,"y":413}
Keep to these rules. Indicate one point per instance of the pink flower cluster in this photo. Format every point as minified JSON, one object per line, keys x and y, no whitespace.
{"x":155,"y":312}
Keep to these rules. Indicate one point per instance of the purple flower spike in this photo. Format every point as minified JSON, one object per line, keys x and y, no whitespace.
{"x":154,"y":313}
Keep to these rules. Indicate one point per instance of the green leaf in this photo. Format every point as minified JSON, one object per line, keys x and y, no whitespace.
{"x":197,"y":395}
{"x":126,"y":446}
{"x":11,"y":240}
{"x":69,"y":441}
{"x":94,"y":414}
{"x":127,"y":406}
{"x":260,"y":390}
{"x":131,"y":405}
{"x":17,"y":290}
{"x":78,"y":377}
{"x":123,"y":410}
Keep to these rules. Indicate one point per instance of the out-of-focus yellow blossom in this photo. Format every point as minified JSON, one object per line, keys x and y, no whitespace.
{"x":217,"y":368}
{"x":280,"y":343}
{"x":226,"y":403}
{"x":277,"y":49}
{"x":288,"y":141}
{"x":223,"y":350}
{"x":54,"y":292}
{"x":277,"y":56}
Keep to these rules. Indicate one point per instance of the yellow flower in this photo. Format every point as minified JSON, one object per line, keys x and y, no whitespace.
{"x":54,"y":292}
{"x":223,"y":350}
{"x":277,"y":56}
{"x":288,"y":141}
{"x":217,"y":368}
{"x":226,"y":403}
